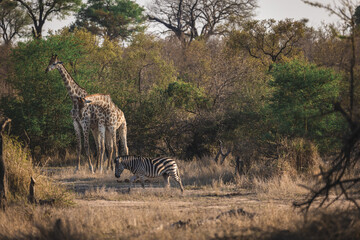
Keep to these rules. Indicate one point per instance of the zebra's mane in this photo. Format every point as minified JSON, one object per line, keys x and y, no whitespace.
{"x":128,"y":158}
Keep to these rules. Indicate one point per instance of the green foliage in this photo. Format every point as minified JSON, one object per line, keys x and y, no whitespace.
{"x":301,"y":104}
{"x":41,"y":106}
{"x":13,"y":21}
{"x":184,"y":95}
{"x":269,"y":41}
{"x":116,"y":19}
{"x":357,"y":15}
{"x":40,"y":12}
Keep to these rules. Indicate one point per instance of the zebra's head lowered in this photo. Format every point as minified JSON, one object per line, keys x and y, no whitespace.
{"x":119,"y":167}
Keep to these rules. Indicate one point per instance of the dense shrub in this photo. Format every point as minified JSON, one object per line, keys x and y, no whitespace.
{"x":40,"y":109}
{"x":301,"y":104}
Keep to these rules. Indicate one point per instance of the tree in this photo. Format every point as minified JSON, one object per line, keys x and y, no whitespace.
{"x":13,"y":21}
{"x":268,"y":40}
{"x":40,"y":109}
{"x":302,"y":101}
{"x":190,"y":19}
{"x":116,"y":19}
{"x":346,"y":11}
{"x":337,"y":178}
{"x":40,"y":11}
{"x":3,"y":175}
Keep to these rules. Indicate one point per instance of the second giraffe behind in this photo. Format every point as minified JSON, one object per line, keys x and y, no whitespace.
{"x":143,"y":167}
{"x":114,"y":122}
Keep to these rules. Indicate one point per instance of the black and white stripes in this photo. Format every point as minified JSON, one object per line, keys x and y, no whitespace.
{"x":143,"y":167}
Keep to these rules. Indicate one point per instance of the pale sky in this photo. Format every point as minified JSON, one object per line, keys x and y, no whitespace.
{"x":296,"y":9}
{"x":276,"y":9}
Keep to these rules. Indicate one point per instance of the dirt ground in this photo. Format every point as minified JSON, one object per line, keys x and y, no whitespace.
{"x":104,"y":209}
{"x":202,"y":212}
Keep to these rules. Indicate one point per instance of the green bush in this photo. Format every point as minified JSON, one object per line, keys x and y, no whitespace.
{"x":40,"y":109}
{"x":302,"y":101}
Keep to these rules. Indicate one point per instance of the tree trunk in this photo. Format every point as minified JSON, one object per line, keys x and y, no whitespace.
{"x":239,"y":168}
{"x":3,"y":184}
{"x":3,"y":178}
{"x":220,"y":153}
{"x":32,"y":198}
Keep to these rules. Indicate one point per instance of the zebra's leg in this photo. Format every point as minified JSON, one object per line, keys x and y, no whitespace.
{"x":132,"y":179}
{"x":178,"y":180}
{"x":142,"y":181}
{"x":166,"y":180}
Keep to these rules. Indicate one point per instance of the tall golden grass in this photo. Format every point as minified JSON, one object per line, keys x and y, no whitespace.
{"x":19,"y":170}
{"x":216,"y":204}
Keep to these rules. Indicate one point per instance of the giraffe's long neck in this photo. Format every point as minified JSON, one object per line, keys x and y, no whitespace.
{"x":73,"y":89}
{"x":101,"y":100}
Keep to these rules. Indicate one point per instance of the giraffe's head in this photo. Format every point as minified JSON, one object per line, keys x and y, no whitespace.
{"x":119,"y":167}
{"x":54,"y":61}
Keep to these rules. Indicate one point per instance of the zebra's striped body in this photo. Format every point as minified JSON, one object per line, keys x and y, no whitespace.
{"x":143,"y":167}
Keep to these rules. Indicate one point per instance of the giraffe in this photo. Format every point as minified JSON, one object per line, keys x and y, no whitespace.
{"x":114,"y":121}
{"x":86,"y":113}
{"x":74,"y":91}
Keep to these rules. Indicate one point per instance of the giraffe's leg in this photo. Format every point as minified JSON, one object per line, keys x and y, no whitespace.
{"x":101,"y":143}
{"x":166,"y":180}
{"x":123,"y":139}
{"x":86,"y":144}
{"x":110,"y":140}
{"x":110,"y":148}
{"x":77,"y":128}
{"x":115,"y":149}
{"x":95,"y":133}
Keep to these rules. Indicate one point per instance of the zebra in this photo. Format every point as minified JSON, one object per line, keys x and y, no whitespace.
{"x":143,"y":167}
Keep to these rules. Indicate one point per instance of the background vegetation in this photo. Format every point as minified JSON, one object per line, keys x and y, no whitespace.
{"x":245,"y":83}
{"x":277,"y":101}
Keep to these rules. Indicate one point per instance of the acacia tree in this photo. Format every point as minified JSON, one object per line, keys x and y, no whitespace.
{"x":13,"y":21}
{"x":346,"y":11}
{"x":113,"y":19}
{"x":336,"y":177}
{"x":190,"y":19}
{"x":268,"y":40}
{"x":40,"y":11}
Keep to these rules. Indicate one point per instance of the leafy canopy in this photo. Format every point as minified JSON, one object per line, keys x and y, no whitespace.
{"x":302,"y":101}
{"x":40,"y":109}
{"x":41,"y":11}
{"x":116,"y":19}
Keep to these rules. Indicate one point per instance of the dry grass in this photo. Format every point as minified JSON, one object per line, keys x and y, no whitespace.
{"x":19,"y":169}
{"x":215,"y":205}
{"x":194,"y":216}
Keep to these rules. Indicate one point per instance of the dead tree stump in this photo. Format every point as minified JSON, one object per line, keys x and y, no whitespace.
{"x":3,"y":178}
{"x":3,"y":183}
{"x":221,"y":153}
{"x":31,"y":197}
{"x":239,"y":167}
